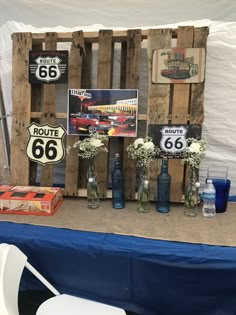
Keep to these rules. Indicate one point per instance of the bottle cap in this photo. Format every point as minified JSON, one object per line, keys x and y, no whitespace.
{"x":90,"y":179}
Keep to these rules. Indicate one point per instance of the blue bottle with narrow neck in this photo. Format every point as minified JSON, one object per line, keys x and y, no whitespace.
{"x":163,"y":188}
{"x":118,"y":193}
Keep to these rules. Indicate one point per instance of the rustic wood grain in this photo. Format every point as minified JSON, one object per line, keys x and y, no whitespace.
{"x":134,"y":39}
{"x":197,"y":89}
{"x":92,"y":37}
{"x":180,"y":108}
{"x":196,"y":106}
{"x":158,"y":97}
{"x":75,"y":75}
{"x":49,"y":110}
{"x":35,"y":106}
{"x":21,"y":102}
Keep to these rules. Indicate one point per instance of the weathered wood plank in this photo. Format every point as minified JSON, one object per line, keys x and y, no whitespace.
{"x":180,"y":108}
{"x":92,"y":37}
{"x":134,"y":39}
{"x":75,"y":75}
{"x":104,"y":81}
{"x":21,"y":98}
{"x":49,"y":110}
{"x":158,"y":97}
{"x":35,"y":106}
{"x":197,"y":89}
{"x":196,"y":106}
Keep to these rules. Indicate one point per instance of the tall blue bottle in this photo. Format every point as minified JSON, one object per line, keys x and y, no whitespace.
{"x":118,"y":193}
{"x":163,"y":188}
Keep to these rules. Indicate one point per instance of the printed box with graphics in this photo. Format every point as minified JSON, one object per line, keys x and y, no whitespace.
{"x":30,"y":200}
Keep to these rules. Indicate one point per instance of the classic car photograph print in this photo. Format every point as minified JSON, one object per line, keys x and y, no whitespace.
{"x":108,"y":112}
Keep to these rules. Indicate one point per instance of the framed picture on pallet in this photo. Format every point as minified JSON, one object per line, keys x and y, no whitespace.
{"x":110,"y":112}
{"x":178,"y":65}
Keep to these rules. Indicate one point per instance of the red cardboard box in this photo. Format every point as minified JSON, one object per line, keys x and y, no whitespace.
{"x":30,"y":200}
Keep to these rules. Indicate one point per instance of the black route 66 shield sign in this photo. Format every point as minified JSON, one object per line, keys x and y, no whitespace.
{"x":48,"y":66}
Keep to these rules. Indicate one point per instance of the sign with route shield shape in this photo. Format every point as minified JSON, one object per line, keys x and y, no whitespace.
{"x":48,"y":66}
{"x":45,"y":144}
{"x":171,"y":139}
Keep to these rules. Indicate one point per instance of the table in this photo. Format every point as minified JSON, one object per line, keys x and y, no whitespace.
{"x":146,"y":276}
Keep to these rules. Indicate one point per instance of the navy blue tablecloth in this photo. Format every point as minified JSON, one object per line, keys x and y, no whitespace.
{"x":149,"y":277}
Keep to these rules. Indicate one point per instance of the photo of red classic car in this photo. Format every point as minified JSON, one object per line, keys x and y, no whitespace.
{"x":110,"y":112}
{"x":90,"y":123}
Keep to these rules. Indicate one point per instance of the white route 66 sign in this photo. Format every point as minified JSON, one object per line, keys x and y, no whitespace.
{"x":48,"y":68}
{"x":173,"y":139}
{"x":45,"y":145}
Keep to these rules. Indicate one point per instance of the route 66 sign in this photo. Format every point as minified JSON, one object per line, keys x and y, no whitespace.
{"x":45,"y":145}
{"x":173,"y":139}
{"x":48,"y":66}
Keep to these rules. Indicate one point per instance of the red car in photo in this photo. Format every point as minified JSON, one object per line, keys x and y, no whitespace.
{"x":91,"y":122}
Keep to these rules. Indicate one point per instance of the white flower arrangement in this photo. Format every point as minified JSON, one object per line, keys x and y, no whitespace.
{"x":90,"y":146}
{"x":143,"y":151}
{"x":194,"y":152}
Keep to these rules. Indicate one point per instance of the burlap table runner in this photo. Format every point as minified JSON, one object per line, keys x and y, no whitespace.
{"x":174,"y":226}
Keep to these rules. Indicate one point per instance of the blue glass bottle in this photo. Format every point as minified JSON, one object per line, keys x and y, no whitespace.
{"x":163,"y":188}
{"x":118,"y":193}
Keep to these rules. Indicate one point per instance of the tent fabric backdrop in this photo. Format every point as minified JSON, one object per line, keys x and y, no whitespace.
{"x":122,"y":13}
{"x":220,"y":92}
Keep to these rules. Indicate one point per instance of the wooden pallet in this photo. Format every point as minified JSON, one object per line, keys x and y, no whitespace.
{"x":166,"y":103}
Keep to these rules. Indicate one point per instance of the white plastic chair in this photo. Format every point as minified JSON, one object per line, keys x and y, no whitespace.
{"x":12,"y":263}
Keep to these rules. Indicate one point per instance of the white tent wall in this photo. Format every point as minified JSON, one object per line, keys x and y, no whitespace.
{"x":220,"y":92}
{"x":122,"y":13}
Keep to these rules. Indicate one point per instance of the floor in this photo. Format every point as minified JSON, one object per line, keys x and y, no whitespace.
{"x":30,"y":301}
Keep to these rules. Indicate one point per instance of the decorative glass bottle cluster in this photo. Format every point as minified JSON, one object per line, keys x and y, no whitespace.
{"x":143,"y":192}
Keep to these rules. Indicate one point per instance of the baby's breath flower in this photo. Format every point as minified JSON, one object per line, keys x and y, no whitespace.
{"x":90,"y":146}
{"x":194,"y":152}
{"x":143,"y":151}
{"x":137,"y":142}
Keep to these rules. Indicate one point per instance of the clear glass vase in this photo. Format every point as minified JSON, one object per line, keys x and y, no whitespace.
{"x":92,"y":186}
{"x":191,"y":197}
{"x":143,"y":193}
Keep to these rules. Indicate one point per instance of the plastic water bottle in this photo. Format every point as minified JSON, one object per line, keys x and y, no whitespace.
{"x":209,"y":198}
{"x":118,"y":194}
{"x":163,"y":188}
